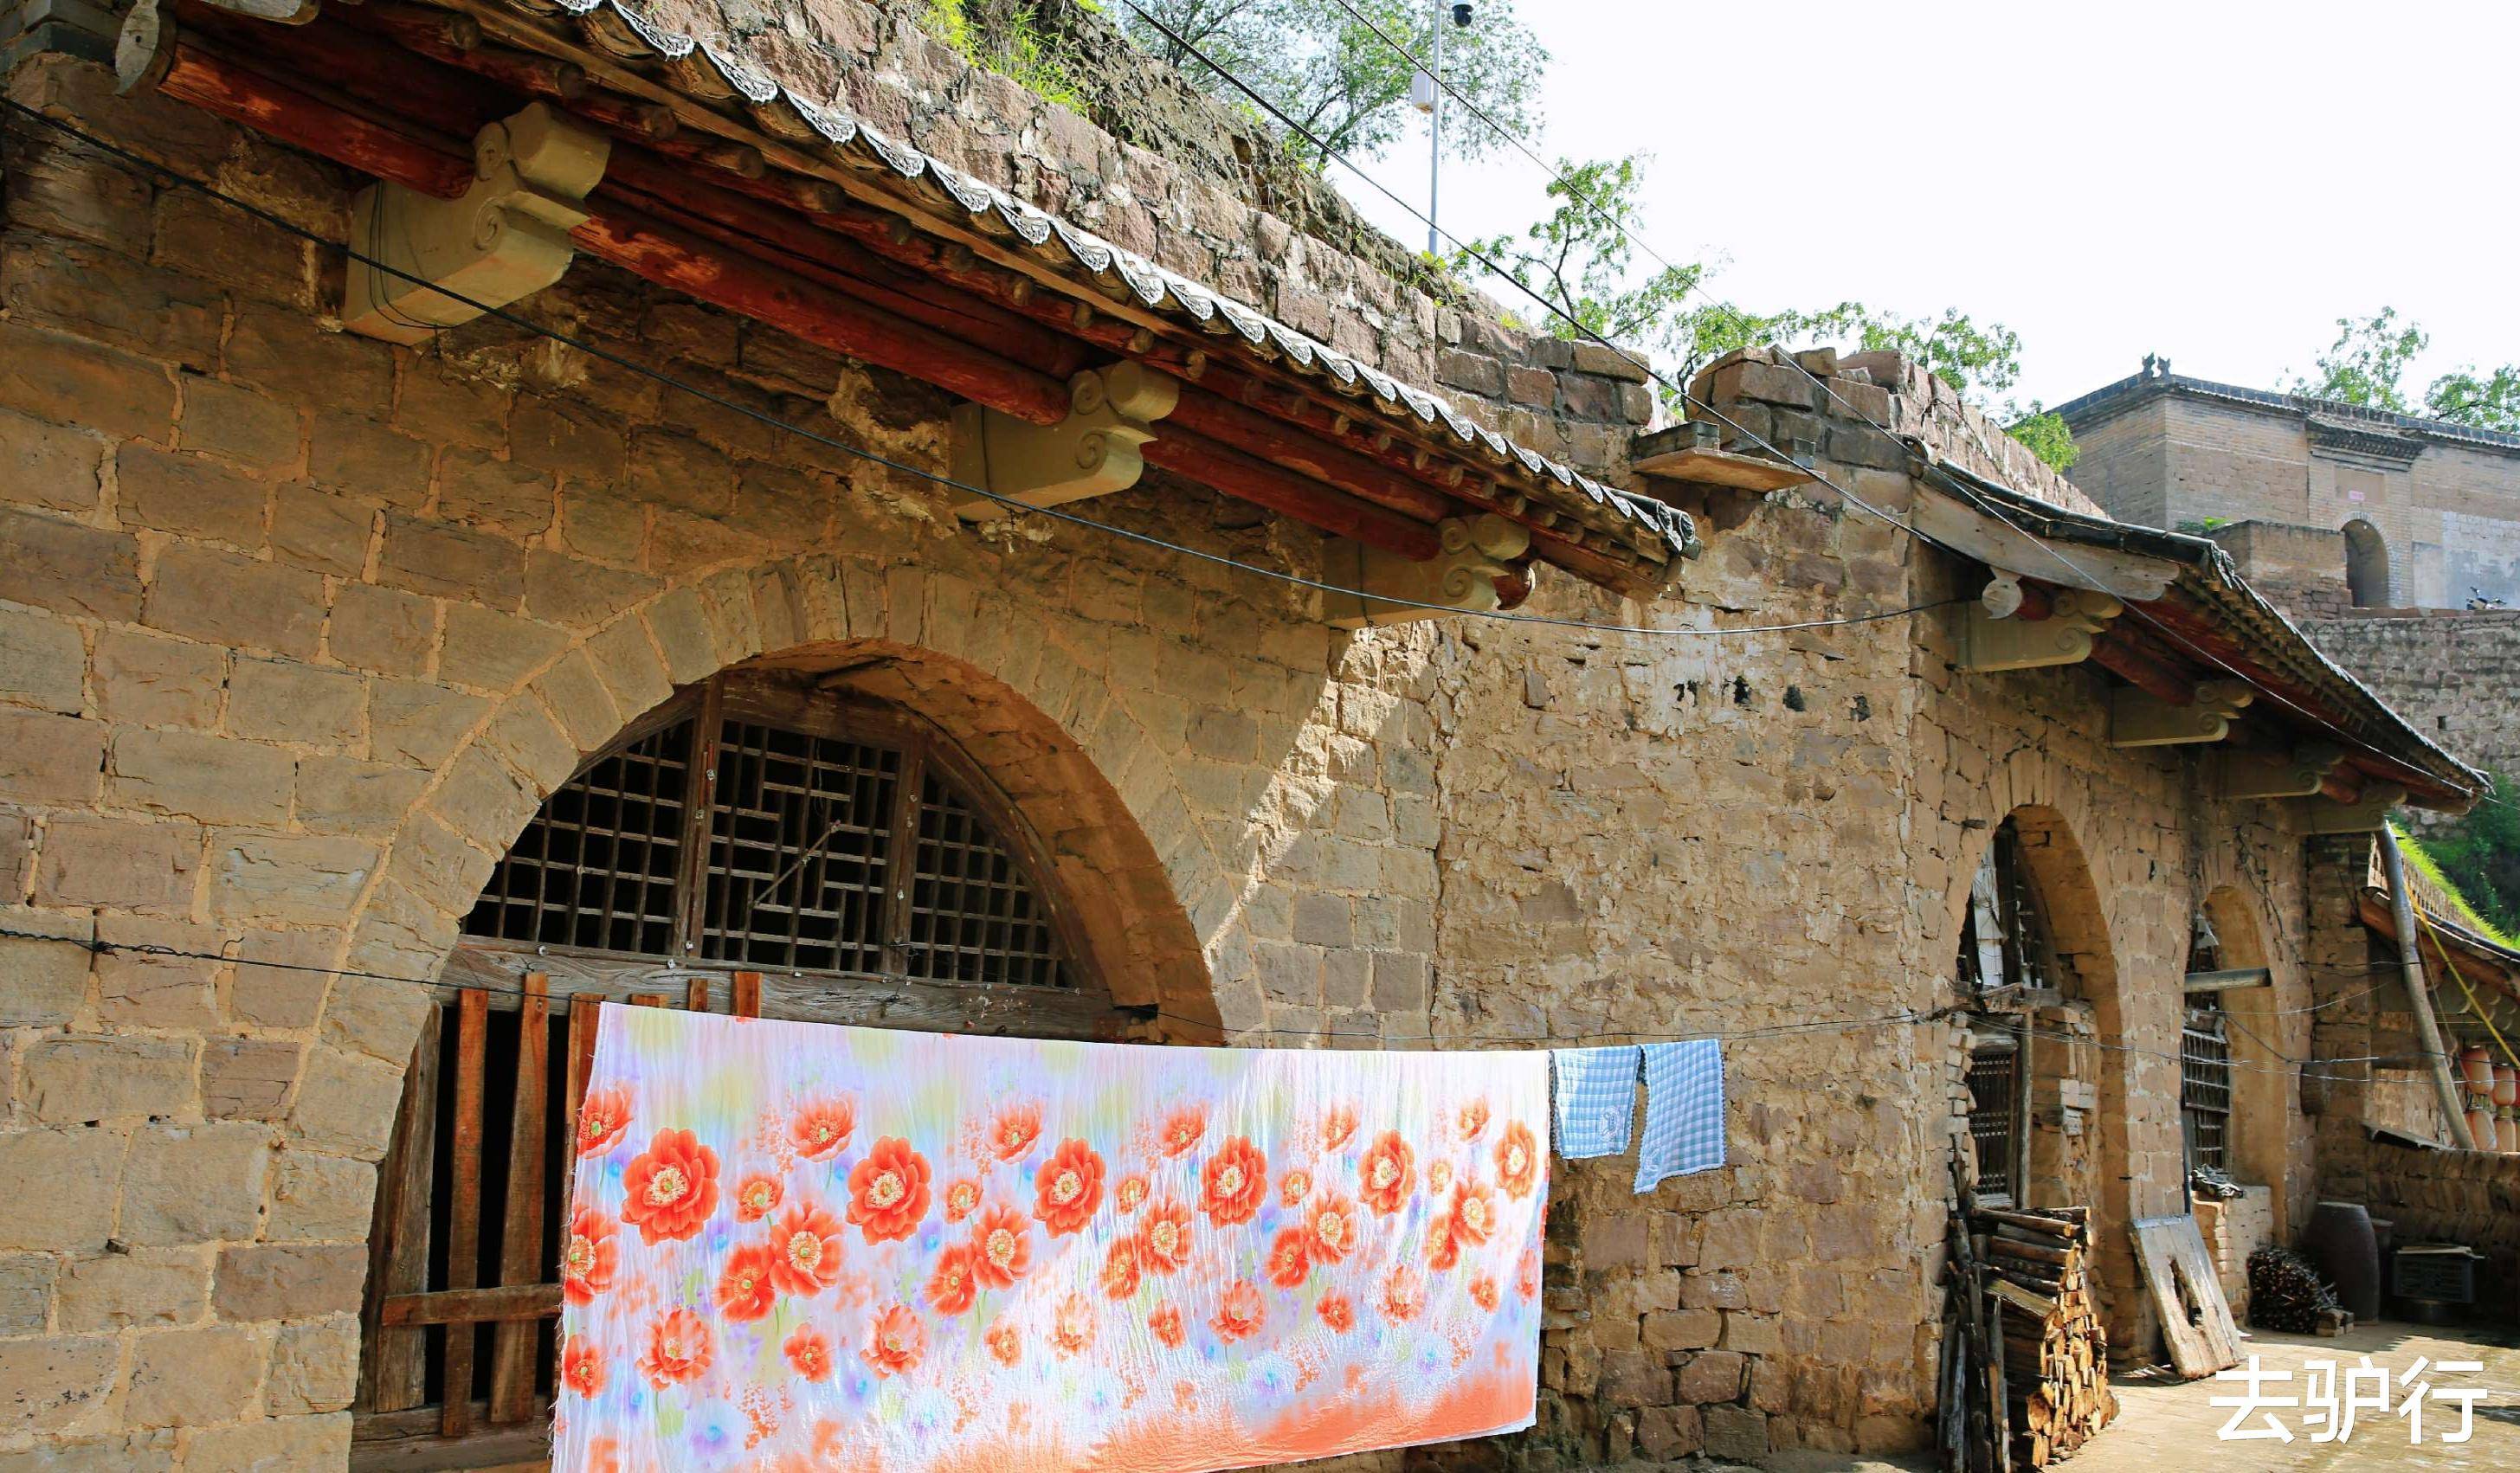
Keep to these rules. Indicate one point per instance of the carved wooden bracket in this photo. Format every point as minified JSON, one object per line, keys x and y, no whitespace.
{"x":2138,"y":718}
{"x":2063,"y":637}
{"x":1477,"y":551}
{"x":2264,"y":774}
{"x":1092,"y":452}
{"x":506,"y":239}
{"x":2364,"y":816}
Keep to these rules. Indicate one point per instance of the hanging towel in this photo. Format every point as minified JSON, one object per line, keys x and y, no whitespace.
{"x":1597,"y":1099}
{"x":798,"y":1245}
{"x":1683,"y":1111}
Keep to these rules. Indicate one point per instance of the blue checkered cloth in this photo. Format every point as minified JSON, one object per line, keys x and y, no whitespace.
{"x":1683,"y":1111}
{"x":1596,"y":1099}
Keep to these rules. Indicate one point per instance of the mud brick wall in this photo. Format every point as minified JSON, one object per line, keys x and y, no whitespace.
{"x":2470,"y":1197}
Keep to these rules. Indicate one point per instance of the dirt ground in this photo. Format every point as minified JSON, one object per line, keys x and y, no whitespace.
{"x":2170,"y":1426}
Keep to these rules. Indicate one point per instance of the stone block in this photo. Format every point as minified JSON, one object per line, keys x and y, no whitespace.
{"x":274,"y":1444}
{"x":360,"y":457}
{"x":440,"y":558}
{"x":74,"y":1079}
{"x":482,"y":801}
{"x":1617,"y":1239}
{"x":321,"y":532}
{"x":342,"y":795}
{"x":51,"y":1383}
{"x":210,"y":595}
{"x":281,"y":701}
{"x":632,"y":671}
{"x":282,"y":979}
{"x":269,"y":879}
{"x":557,"y":434}
{"x":1682,"y":1329}
{"x":42,"y":981}
{"x":289,"y":1281}
{"x":246,"y":1079}
{"x":417,"y":722}
{"x":190,"y":495}
{"x":75,"y":1173}
{"x":382,"y":629}
{"x":1633,"y":1378}
{"x":380,"y":1020}
{"x":70,"y":380}
{"x":236,"y":422}
{"x":346,"y":1102}
{"x":493,"y":650}
{"x":215,"y":779}
{"x":1738,"y":1433}
{"x":1750,"y":1334}
{"x":43,"y":662}
{"x":319,"y":1198}
{"x":187,"y":1184}
{"x":524,"y":735}
{"x":193,"y":1378}
{"x":66,"y":567}
{"x":27,"y":1293}
{"x":50,"y":759}
{"x":55,"y":466}
{"x":480,"y":490}
{"x":1668,"y":1433}
{"x":285,"y":349}
{"x":1716,"y":1376}
{"x":148,"y":679}
{"x":116,"y":1291}
{"x":578,"y":593}
{"x":314,"y":1366}
{"x":140,"y":989}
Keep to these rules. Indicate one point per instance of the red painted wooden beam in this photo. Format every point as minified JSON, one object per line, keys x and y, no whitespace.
{"x":1234,"y":473}
{"x":193,"y":76}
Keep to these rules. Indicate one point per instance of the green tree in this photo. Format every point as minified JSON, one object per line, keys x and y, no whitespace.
{"x":2368,"y":364}
{"x":2479,"y":854}
{"x":1333,"y":75}
{"x":1581,"y":258}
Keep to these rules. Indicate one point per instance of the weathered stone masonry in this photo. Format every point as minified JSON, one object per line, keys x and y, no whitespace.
{"x":295,"y":630}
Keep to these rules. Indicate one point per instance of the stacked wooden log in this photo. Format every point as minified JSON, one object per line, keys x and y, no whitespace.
{"x":2056,"y":1349}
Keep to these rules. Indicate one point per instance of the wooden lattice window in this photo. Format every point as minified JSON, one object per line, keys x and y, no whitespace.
{"x":765,"y":825}
{"x":1996,"y":1085}
{"x":2205,"y":1086}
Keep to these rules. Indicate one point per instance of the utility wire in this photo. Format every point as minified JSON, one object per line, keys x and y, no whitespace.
{"x":1011,"y":504}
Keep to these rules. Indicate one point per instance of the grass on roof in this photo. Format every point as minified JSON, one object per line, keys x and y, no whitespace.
{"x":2431,"y":870}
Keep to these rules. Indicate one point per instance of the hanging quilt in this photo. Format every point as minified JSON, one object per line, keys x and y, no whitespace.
{"x":795,"y":1246}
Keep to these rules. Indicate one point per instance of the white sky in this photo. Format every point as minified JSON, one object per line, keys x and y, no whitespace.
{"x":2212,"y":180}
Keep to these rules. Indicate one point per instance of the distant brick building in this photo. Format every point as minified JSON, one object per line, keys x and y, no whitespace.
{"x":2327,"y":506}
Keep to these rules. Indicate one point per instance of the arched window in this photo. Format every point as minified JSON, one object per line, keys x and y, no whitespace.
{"x":2366,"y":566}
{"x":2009,"y":964}
{"x":759,"y":844}
{"x":764,"y":824}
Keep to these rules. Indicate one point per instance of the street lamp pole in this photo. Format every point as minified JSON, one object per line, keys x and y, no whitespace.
{"x":1435,"y":121}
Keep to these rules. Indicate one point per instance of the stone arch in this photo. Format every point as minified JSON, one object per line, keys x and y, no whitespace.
{"x":2366,"y":564}
{"x":2137,"y":1122}
{"x":1042,"y":723}
{"x":2260,"y":1110}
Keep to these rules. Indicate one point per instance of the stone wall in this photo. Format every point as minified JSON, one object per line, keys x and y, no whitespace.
{"x":2445,"y":1196}
{"x":2300,"y":569}
{"x":296,"y":629}
{"x":2233,"y":1229}
{"x":2453,"y":672}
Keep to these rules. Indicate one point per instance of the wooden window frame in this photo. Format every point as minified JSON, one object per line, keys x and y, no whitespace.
{"x":2008,"y":965}
{"x":2205,"y":1085}
{"x":790,"y":703}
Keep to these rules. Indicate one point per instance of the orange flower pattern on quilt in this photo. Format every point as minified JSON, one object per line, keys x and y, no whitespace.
{"x":813,"y":1248}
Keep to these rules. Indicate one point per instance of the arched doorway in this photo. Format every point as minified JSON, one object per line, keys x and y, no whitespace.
{"x":853,"y":833}
{"x":2045,"y":1084}
{"x":2366,"y":566}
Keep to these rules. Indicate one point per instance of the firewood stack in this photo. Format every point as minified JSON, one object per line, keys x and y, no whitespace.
{"x":2055,"y":1351}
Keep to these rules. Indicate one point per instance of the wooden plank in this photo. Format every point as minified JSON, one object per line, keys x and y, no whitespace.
{"x":508,"y":1303}
{"x":858,"y":1000}
{"x":463,"y":1209}
{"x":648,"y":999}
{"x":695,"y":996}
{"x":520,"y":1249}
{"x":744,"y":995}
{"x":401,"y":1443}
{"x":584,"y":1013}
{"x":394,"y":1373}
{"x":2187,"y":1295}
{"x":2231,"y":980}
